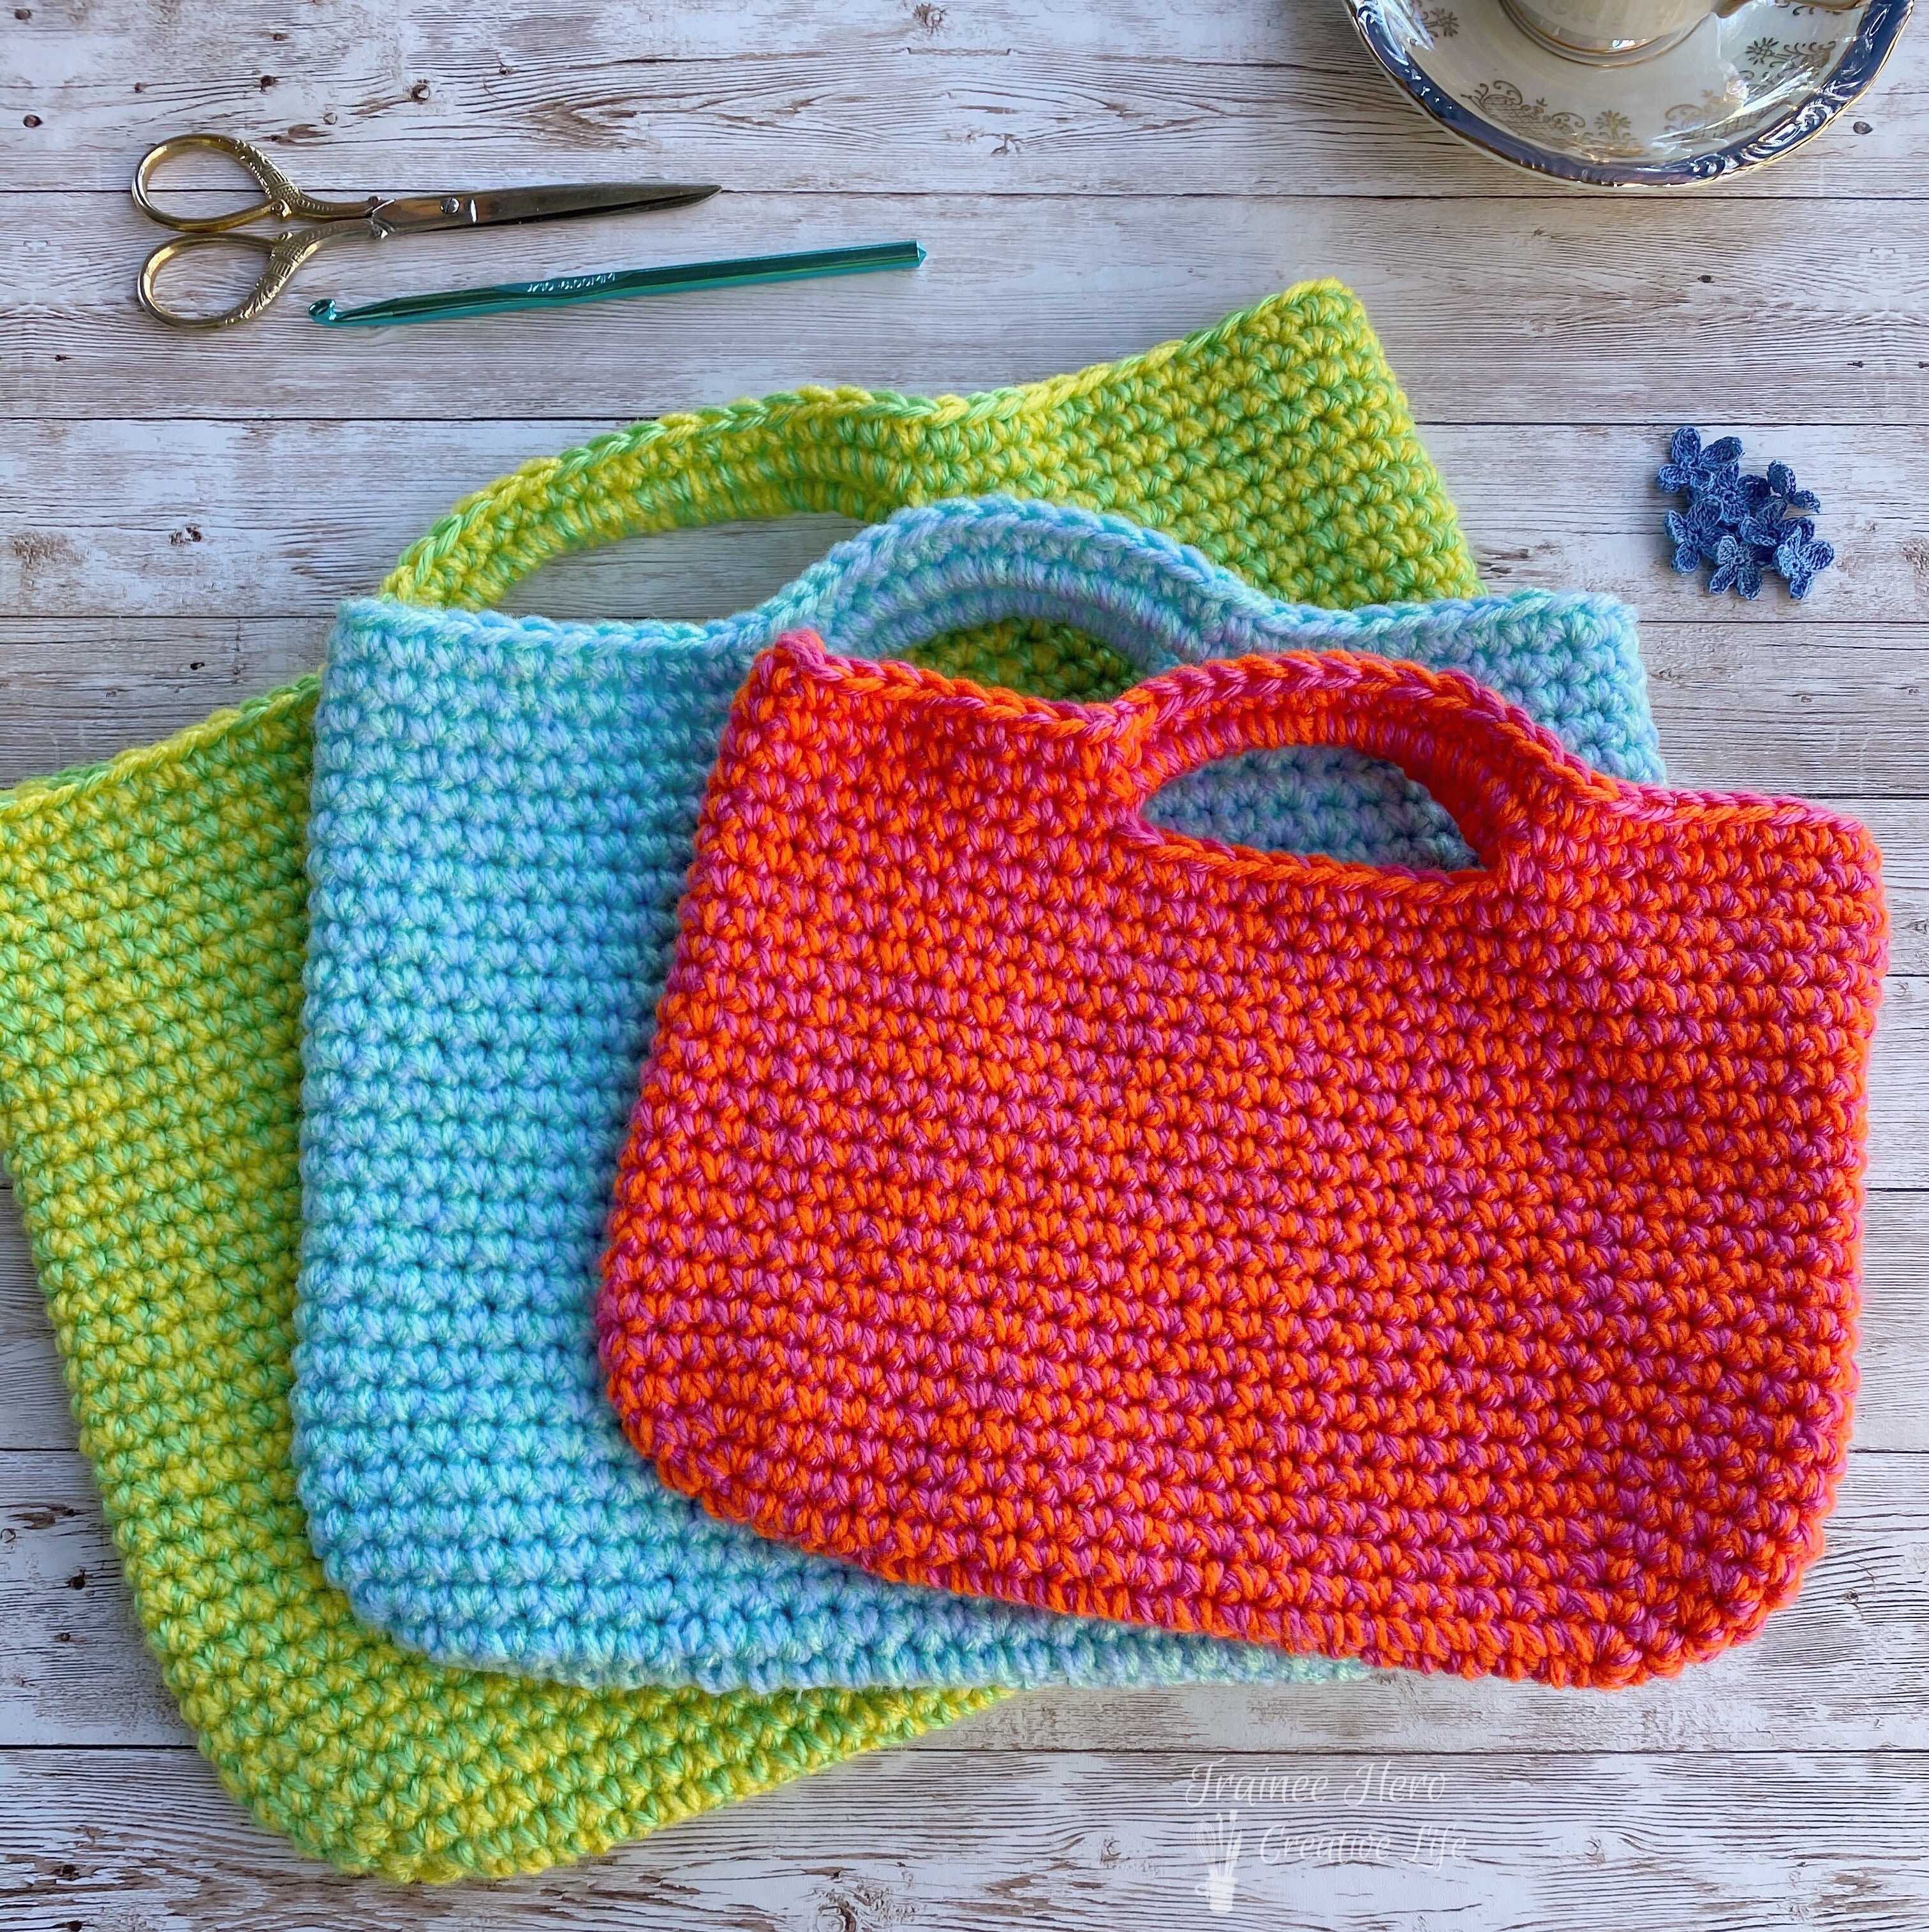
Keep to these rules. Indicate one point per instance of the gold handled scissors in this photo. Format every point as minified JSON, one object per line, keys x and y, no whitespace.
{"x":374,"y":218}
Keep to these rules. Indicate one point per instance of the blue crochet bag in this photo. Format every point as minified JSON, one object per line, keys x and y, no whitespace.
{"x":503,"y":814}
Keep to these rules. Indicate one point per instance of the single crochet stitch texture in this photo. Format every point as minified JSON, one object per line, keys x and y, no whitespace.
{"x":504,"y":810}
{"x":1278,"y":441}
{"x":152,"y":926}
{"x":151,"y":943}
{"x":1452,"y":1270}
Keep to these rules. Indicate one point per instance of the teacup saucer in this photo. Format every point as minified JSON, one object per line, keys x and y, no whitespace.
{"x":1732,"y":94}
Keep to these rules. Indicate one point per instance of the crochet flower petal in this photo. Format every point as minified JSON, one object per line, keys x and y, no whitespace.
{"x":1801,"y":557}
{"x":1737,"y":568}
{"x":1781,"y":481}
{"x":1690,"y":468}
{"x":1727,"y":495}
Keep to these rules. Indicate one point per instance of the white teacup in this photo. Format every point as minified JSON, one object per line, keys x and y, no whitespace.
{"x":1620,"y":30}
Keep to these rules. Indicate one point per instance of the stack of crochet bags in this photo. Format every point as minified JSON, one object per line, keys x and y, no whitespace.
{"x":1063,"y":1234}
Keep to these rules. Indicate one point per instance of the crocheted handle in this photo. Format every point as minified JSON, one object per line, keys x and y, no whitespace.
{"x":1301,"y":377}
{"x":941,"y":568}
{"x":1500,"y":775}
{"x":946,"y":567}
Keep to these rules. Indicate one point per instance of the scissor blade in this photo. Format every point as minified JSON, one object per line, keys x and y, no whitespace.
{"x":491,"y":208}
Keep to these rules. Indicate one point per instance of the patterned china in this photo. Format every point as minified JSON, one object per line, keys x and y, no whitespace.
{"x":1730,"y":93}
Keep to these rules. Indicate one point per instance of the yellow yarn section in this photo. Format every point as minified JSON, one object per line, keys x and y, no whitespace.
{"x":153,"y":922}
{"x":1278,"y":442}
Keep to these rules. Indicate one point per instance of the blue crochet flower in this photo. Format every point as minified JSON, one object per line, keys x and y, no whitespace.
{"x":1694,"y":469}
{"x":1742,"y":524}
{"x":1764,"y":528}
{"x":1801,"y":556}
{"x":1728,"y":494}
{"x":1738,"y":567}
{"x":1789,"y":501}
{"x":1743,"y":497}
{"x":1695,"y":535}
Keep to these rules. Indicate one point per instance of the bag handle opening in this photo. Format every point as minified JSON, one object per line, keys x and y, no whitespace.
{"x":960,"y":565}
{"x":1503,"y":779}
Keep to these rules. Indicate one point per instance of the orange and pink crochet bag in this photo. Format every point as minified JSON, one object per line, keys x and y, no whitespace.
{"x":1452,"y":1269}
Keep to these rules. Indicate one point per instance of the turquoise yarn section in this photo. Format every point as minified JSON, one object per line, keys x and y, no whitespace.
{"x":503,"y":813}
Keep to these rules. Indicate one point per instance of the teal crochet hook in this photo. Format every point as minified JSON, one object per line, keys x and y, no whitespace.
{"x":674,"y":279}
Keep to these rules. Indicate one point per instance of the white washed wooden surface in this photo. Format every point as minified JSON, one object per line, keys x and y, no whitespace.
{"x":177,"y":516}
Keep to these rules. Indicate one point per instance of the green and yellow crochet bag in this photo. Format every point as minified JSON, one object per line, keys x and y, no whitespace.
{"x":152,"y":929}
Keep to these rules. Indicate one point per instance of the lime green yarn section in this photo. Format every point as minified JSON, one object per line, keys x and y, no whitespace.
{"x":1278,"y":442}
{"x":153,"y":919}
{"x":1043,"y":660}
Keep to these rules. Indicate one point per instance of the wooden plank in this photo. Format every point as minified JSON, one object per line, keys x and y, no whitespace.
{"x":75,"y":1668}
{"x":1241,"y":96}
{"x":204,"y":520}
{"x":1901,"y":827}
{"x":1822,"y":709}
{"x":1099,"y":1842}
{"x":1521,"y":310}
{"x":1828,"y":710}
{"x":70,"y":693}
{"x":1899,"y":1088}
{"x":34,"y":1412}
{"x":1840,"y":1669}
{"x":1892,"y":1403}
{"x":1578,"y":505}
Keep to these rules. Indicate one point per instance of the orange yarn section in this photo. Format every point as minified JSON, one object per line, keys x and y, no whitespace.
{"x":1452,"y":1270}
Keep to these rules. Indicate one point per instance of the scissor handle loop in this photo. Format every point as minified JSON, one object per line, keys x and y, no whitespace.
{"x":283,"y":201}
{"x":285,"y":252}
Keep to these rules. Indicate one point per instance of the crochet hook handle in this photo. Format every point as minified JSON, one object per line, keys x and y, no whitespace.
{"x":677,"y":278}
